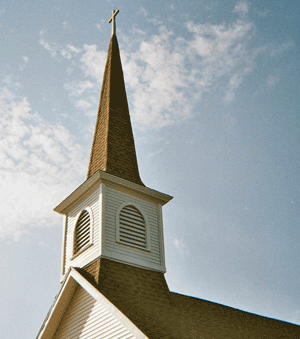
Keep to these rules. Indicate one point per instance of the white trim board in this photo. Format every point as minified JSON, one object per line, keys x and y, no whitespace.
{"x":103,"y":177}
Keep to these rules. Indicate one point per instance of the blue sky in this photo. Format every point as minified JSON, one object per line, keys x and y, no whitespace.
{"x":213,"y":92}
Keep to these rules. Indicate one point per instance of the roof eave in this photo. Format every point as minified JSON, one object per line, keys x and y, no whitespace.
{"x":103,"y":177}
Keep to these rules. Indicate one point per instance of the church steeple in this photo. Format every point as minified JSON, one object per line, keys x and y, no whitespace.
{"x":113,"y":215}
{"x":113,"y":149}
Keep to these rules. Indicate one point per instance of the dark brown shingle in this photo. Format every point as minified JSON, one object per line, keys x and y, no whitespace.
{"x":113,"y":149}
{"x":144,"y":297}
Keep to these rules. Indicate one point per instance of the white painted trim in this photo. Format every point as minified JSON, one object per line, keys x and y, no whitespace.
{"x":63,"y":250}
{"x":102,"y":204}
{"x":90,"y":243}
{"x":58,"y":309}
{"x":103,"y":177}
{"x":147,"y":226}
{"x":161,"y":236}
{"x":64,"y":297}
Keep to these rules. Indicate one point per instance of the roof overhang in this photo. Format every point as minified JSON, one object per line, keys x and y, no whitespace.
{"x":103,"y":177}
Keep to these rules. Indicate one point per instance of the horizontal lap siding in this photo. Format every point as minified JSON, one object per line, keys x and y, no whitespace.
{"x":93,"y":203}
{"x":86,"y":318}
{"x":113,"y":200}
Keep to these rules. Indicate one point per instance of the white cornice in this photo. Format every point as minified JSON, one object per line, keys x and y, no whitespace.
{"x":103,"y":177}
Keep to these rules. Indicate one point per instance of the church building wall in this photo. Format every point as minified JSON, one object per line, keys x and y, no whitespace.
{"x":91,"y":203}
{"x":154,"y":256}
{"x":87,"y":318}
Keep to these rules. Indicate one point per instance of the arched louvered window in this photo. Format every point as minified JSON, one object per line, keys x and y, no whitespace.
{"x":132,"y":227}
{"x":82,"y":231}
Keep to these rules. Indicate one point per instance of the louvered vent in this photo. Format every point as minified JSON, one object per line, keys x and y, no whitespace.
{"x":82,"y":232}
{"x":132,"y":228}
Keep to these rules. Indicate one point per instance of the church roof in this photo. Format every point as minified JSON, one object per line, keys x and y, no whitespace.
{"x":140,"y":299}
{"x":113,"y":148}
{"x":144,"y":297}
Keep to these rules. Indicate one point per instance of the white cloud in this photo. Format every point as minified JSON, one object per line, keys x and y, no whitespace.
{"x":55,"y":49}
{"x":76,"y":89}
{"x":168,"y":75}
{"x":242,"y":8}
{"x":83,"y":104}
{"x":51,"y":48}
{"x":25,"y":62}
{"x":152,"y":20}
{"x":69,"y":51}
{"x":180,"y":246}
{"x":39,"y":163}
{"x":66,"y":25}
{"x":93,"y":61}
{"x":74,"y":49}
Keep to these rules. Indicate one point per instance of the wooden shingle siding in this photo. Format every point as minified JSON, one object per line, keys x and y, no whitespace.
{"x":113,"y":200}
{"x":113,"y":149}
{"x":86,"y":318}
{"x":92,"y":202}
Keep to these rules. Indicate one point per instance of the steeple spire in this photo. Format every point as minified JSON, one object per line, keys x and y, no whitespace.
{"x":113,"y":149}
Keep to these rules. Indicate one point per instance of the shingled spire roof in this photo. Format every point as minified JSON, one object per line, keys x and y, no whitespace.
{"x":113,"y":149}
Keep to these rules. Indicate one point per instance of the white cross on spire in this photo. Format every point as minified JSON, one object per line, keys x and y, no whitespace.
{"x":112,"y":19}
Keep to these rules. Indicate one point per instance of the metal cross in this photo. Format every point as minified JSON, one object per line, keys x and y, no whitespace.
{"x":112,"y":19}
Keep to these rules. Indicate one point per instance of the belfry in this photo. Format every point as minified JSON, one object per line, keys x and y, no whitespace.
{"x":113,"y":260}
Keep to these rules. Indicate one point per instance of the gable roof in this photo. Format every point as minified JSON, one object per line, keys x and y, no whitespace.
{"x":64,"y":298}
{"x":144,"y":297}
{"x":140,"y":299}
{"x":113,"y":149}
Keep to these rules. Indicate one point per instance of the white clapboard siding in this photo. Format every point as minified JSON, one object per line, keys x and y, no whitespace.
{"x":86,"y":318}
{"x":92,"y":202}
{"x":113,"y":200}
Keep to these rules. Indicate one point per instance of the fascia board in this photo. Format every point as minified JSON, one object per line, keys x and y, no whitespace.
{"x":103,"y":177}
{"x":58,"y":309}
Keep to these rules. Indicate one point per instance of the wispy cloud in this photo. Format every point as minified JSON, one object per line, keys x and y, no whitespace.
{"x":76,"y":89}
{"x":261,"y":13}
{"x":25,"y":62}
{"x":69,"y":51}
{"x":180,"y":246}
{"x":242,"y":8}
{"x":282,"y":48}
{"x":51,"y":48}
{"x":39,"y":162}
{"x":93,"y":62}
{"x":100,"y":25}
{"x":56,"y":50}
{"x":169,"y":75}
